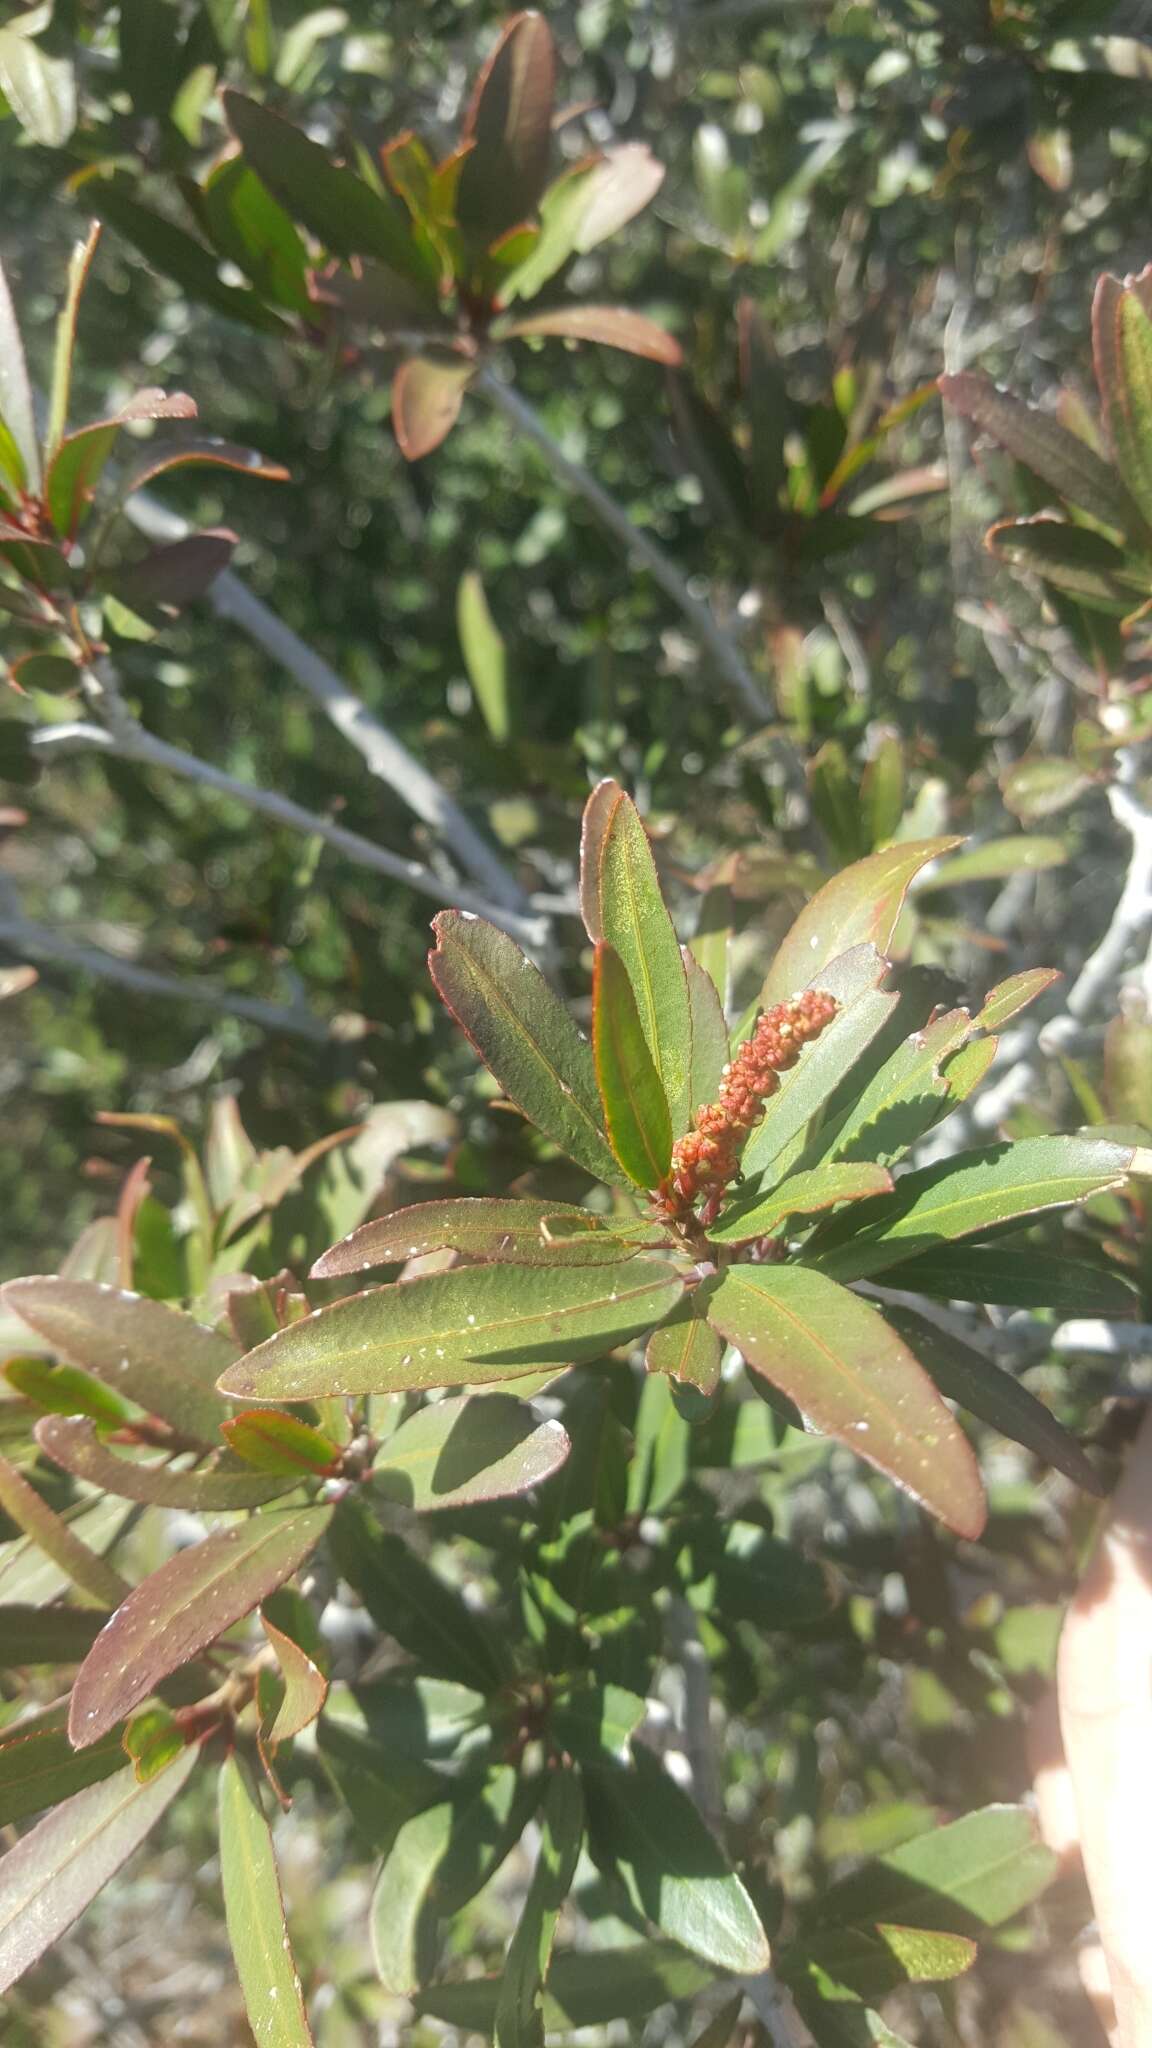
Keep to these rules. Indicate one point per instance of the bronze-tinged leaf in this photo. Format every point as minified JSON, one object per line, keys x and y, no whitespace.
{"x":859,"y":906}
{"x":835,"y":1357}
{"x":473,"y":1325}
{"x":509,"y":127}
{"x":153,"y":1354}
{"x":710,"y":1046}
{"x":622,"y":903}
{"x":686,"y":1348}
{"x":57,"y":1869}
{"x":1074,"y":559}
{"x":1053,"y":453}
{"x":427,"y":394}
{"x":1008,"y":998}
{"x":524,"y":1035}
{"x":631,"y":1091}
{"x":275,"y":1442}
{"x":187,"y":1604}
{"x":523,"y":1231}
{"x":305,"y":1685}
{"x":71,"y":1441}
{"x":613,"y":326}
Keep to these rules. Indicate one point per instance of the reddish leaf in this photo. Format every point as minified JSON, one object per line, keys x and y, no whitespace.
{"x":305,"y":1686}
{"x":71,"y":1441}
{"x":1054,"y":454}
{"x":75,"y":468}
{"x":859,"y":906}
{"x":525,"y":1232}
{"x":614,"y":326}
{"x":835,"y":1357}
{"x":187,"y":1604}
{"x":635,"y":1105}
{"x":178,"y":571}
{"x":57,"y":1869}
{"x":224,"y":454}
{"x":427,"y":395}
{"x":509,"y":125}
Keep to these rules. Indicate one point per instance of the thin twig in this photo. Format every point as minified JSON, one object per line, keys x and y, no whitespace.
{"x":383,"y":754}
{"x":722,"y":649}
{"x":128,"y":741}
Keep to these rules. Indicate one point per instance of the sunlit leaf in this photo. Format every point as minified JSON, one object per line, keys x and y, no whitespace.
{"x":273,"y":1442}
{"x":16,"y":408}
{"x":613,"y":326}
{"x":59,"y":1542}
{"x":524,"y":1034}
{"x":519,"y":2012}
{"x":185,"y":1605}
{"x":1122,"y":346}
{"x":41,"y":90}
{"x":427,"y":394}
{"x":631,"y":1091}
{"x":871,"y":1962}
{"x":834,"y":1356}
{"x":485,"y":654}
{"x":176,"y":255}
{"x":252,"y":231}
{"x":648,"y":1832}
{"x":859,"y":906}
{"x":1008,"y":998}
{"x":522,"y":1232}
{"x":710,"y":1046}
{"x":474,"y":1448}
{"x":438,"y":1860}
{"x":993,"y":861}
{"x":975,"y":1873}
{"x":77,"y":465}
{"x":73,"y":1443}
{"x":686,"y":1349}
{"x":777,"y":1141}
{"x":57,"y":1869}
{"x":1073,"y":558}
{"x":66,"y":1390}
{"x":802,"y":1194}
{"x":622,"y":904}
{"x":254,"y":1909}
{"x":466,"y":1327}
{"x":593,"y":1721}
{"x":582,"y":208}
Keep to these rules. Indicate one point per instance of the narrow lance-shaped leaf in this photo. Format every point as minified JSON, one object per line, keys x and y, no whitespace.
{"x":1074,"y":559}
{"x":485,"y":654}
{"x":254,"y":1909}
{"x":79,"y":265}
{"x":522,"y":1232}
{"x":41,"y":90}
{"x":72,"y":1442}
{"x":524,"y":1034}
{"x":153,"y":1354}
{"x":16,"y":408}
{"x":47,"y":1635}
{"x":1008,"y":998}
{"x":631,"y":1091}
{"x":1054,"y":454}
{"x":87,"y":1572}
{"x":1122,"y":349}
{"x":710,"y":1046}
{"x":475,"y":1448}
{"x":777,"y":1143}
{"x":466,"y":1327}
{"x":647,"y":1831}
{"x":438,"y":1861}
{"x":305,"y":1685}
{"x":274,"y":1442}
{"x":859,"y":906}
{"x":833,"y":1355}
{"x":965,"y":1376}
{"x":612,"y":326}
{"x":39,"y":1767}
{"x":622,"y":904}
{"x":410,"y":1602}
{"x":188,"y":1603}
{"x":975,"y":1873}
{"x":803,"y":1194}
{"x":519,"y":2014}
{"x":56,"y":1870}
{"x":1015,"y":1275}
{"x":904,"y":1097}
{"x":509,"y":125}
{"x":975,"y":1192}
{"x":585,"y":1989}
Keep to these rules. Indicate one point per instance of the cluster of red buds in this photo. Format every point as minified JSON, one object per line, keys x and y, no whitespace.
{"x":707,"y":1159}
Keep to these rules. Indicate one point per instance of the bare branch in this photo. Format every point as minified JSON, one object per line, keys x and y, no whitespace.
{"x":383,"y":754}
{"x":640,"y":545}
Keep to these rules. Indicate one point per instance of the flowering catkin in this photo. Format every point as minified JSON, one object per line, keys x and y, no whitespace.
{"x":707,"y":1159}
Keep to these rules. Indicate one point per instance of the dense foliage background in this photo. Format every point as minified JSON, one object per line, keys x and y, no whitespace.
{"x":857,"y":198}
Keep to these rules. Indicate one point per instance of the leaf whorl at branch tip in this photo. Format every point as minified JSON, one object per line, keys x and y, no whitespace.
{"x":707,"y":1159}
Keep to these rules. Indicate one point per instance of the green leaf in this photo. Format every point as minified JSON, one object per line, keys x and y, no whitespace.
{"x":274,"y":1442}
{"x":485,"y":655}
{"x":612,"y":326}
{"x":594,"y":1720}
{"x":65,"y":1390}
{"x":71,"y":1441}
{"x":153,"y":1354}
{"x":631,"y":1091}
{"x":524,"y":1034}
{"x":871,"y":1962}
{"x":176,"y":255}
{"x":803,"y":1194}
{"x":462,"y":1328}
{"x":648,"y":1832}
{"x":686,"y":1349}
{"x":1053,"y":453}
{"x":770,"y":419}
{"x":477,"y":1447}
{"x":582,"y":208}
{"x":1041,"y":785}
{"x":518,"y":1232}
{"x":16,"y":408}
{"x":964,"y":1375}
{"x":379,"y":1790}
{"x":1122,"y":346}
{"x":904,"y":1097}
{"x":153,"y":1739}
{"x":859,"y":906}
{"x":660,"y":1450}
{"x":51,"y":1534}
{"x":79,"y":461}
{"x":57,"y":1869}
{"x":438,"y":1860}
{"x":622,"y":904}
{"x":519,"y":2009}
{"x":1074,"y":559}
{"x":777,"y":1142}
{"x":40,"y":90}
{"x":584,"y":1989}
{"x":427,"y":394}
{"x":305,"y":1685}
{"x":976,"y":1873}
{"x":254,"y":1909}
{"x":39,"y":1767}
{"x":509,"y":127}
{"x":79,"y":265}
{"x":410,"y":1602}
{"x":710,"y":1046}
{"x":1128,"y":1065}
{"x":252,"y":231}
{"x":188,"y":1603}
{"x":28,"y":1575}
{"x":1016,"y":1275}
{"x":1008,"y":998}
{"x":735,"y":1571}
{"x":994,"y":860}
{"x":346,"y":216}
{"x":974,"y":1192}
{"x":834,"y":1356}
{"x":47,"y":1635}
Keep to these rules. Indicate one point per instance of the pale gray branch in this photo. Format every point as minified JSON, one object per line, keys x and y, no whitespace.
{"x":720,"y":647}
{"x":383,"y":754}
